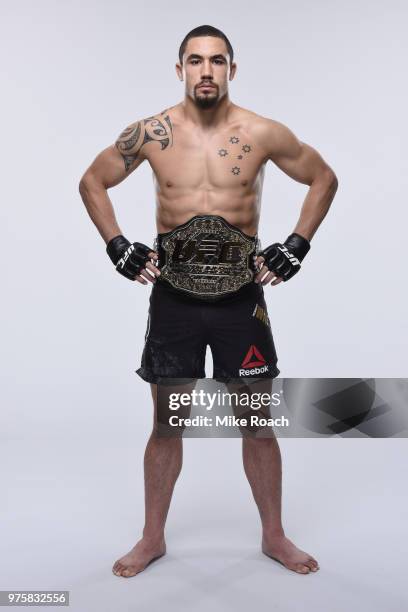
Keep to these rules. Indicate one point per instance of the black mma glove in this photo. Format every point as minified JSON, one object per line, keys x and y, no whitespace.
{"x":129,"y":259}
{"x":284,"y":259}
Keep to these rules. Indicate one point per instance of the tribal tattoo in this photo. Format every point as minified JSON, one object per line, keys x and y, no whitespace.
{"x":157,"y":128}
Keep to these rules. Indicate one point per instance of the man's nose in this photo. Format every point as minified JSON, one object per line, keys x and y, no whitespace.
{"x":206,"y":71}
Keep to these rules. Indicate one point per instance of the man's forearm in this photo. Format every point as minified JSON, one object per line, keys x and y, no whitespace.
{"x":316,"y":205}
{"x":100,"y":209}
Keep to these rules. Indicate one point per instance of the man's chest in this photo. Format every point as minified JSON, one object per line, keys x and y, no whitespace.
{"x":227,"y":159}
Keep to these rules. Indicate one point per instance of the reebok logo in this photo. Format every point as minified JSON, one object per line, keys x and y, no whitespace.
{"x":253,"y":363}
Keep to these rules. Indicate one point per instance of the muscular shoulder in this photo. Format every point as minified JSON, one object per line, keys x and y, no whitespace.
{"x":272,"y":136}
{"x":132,"y":141}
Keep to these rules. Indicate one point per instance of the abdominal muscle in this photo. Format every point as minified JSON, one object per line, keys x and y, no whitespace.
{"x":239,"y":206}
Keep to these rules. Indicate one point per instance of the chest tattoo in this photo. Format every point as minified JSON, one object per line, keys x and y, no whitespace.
{"x":235,"y":152}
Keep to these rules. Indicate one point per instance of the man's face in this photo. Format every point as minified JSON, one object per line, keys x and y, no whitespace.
{"x":205,"y":70}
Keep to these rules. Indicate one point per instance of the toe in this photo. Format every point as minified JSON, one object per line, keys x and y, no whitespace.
{"x":302,"y":569}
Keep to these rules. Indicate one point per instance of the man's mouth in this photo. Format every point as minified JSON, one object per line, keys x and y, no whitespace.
{"x":209,"y":86}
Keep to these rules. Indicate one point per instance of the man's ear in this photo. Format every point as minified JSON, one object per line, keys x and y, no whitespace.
{"x":233,"y":70}
{"x":179,"y":71}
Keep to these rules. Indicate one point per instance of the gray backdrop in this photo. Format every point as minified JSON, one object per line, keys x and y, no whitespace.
{"x":74,"y":420}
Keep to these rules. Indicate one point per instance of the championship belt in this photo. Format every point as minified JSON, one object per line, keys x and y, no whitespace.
{"x":206,"y":257}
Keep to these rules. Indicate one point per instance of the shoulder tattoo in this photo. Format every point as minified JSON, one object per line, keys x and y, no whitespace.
{"x":157,"y":128}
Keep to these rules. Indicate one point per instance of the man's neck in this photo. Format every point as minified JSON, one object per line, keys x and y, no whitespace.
{"x":207,"y":118}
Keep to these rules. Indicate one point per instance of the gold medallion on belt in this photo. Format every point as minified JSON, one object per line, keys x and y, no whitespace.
{"x":207,"y":257}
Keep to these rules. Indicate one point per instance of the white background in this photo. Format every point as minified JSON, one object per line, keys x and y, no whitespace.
{"x":75,"y":417}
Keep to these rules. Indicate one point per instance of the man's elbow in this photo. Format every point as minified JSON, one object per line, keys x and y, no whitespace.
{"x":81,"y":187}
{"x":87,"y":183}
{"x":83,"y":184}
{"x":331,"y":180}
{"x":328,"y":181}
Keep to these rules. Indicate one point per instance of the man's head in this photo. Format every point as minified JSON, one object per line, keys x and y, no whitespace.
{"x":206,"y":58}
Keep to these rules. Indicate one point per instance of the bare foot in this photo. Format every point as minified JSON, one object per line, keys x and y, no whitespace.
{"x":143,"y":553}
{"x":281,"y":549}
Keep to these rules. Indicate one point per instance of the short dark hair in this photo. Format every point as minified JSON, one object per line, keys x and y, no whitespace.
{"x":205,"y":30}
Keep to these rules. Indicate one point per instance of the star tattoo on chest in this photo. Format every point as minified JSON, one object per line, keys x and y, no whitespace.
{"x":246,"y":148}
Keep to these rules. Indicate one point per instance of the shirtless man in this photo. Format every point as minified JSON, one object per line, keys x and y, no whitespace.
{"x":208,"y":157}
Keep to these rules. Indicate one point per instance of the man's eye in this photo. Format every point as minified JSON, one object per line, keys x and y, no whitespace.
{"x":218,"y":61}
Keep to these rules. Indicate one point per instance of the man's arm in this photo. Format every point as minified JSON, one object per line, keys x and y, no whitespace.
{"x":108,"y":169}
{"x":303,"y":164}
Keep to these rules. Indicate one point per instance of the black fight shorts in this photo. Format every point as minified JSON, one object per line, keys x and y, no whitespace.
{"x":179,"y":328}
